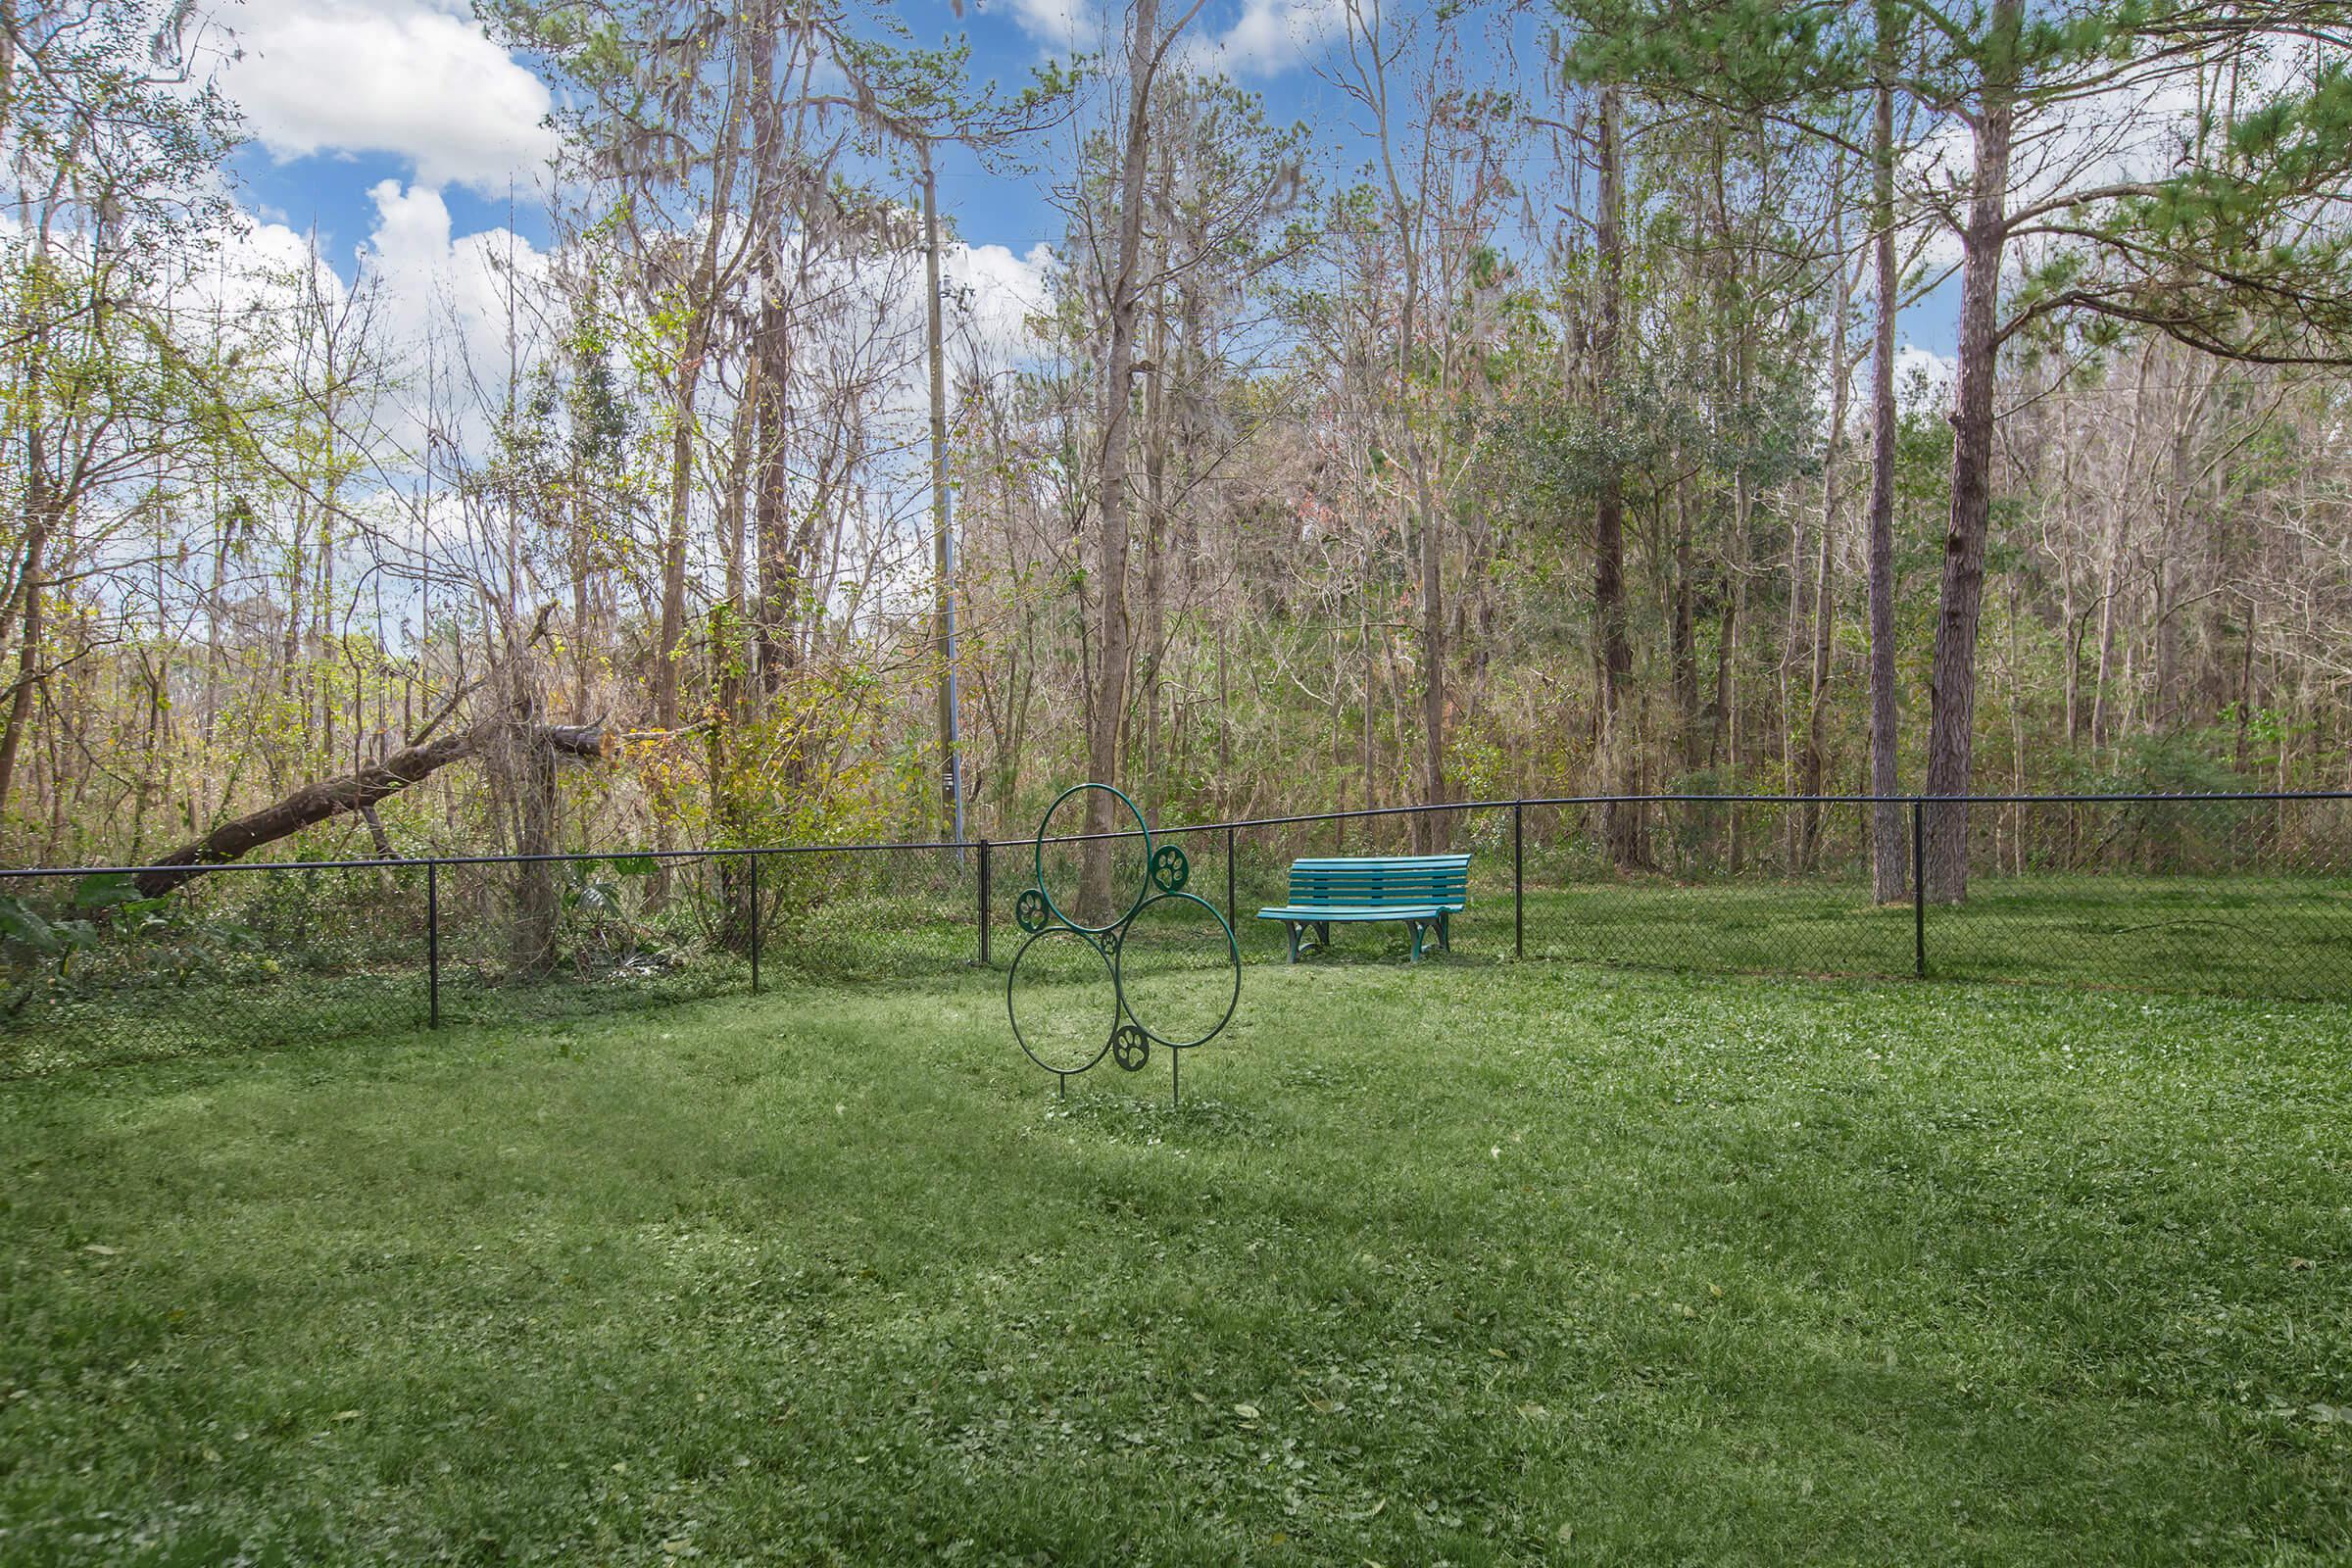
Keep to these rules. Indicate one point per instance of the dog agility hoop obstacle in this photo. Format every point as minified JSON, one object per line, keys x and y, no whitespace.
{"x":1064,"y":950}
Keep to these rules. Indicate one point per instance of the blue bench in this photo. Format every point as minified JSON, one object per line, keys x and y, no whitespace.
{"x":1424,"y":891}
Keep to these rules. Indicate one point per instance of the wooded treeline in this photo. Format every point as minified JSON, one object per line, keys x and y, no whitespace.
{"x":1545,"y":425}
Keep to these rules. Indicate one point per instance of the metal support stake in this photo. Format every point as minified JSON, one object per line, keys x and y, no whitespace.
{"x":754,"y":860}
{"x":1175,"y":1079}
{"x":1518,"y":879}
{"x":1919,"y":888}
{"x":1229,"y":915}
{"x":432,"y":943}
{"x":984,"y":889}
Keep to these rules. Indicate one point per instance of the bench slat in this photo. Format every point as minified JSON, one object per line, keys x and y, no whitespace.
{"x":1454,"y":870}
{"x":1435,"y":868}
{"x":1422,"y":874}
{"x":1356,"y":912}
{"x":1310,"y":898}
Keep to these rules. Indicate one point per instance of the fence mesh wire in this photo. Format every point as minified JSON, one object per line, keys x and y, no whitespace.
{"x":2241,"y":895}
{"x":95,"y":973}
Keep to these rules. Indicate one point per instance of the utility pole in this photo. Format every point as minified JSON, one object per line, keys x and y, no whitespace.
{"x":943,"y":539}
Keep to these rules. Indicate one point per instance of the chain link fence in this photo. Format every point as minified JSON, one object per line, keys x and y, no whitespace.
{"x":2243,"y":895}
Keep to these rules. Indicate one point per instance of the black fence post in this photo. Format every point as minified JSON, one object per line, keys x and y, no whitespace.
{"x":432,"y":943}
{"x":1229,"y":906}
{"x":1919,"y":888}
{"x":1519,"y":879}
{"x":983,"y":847}
{"x":754,"y":858}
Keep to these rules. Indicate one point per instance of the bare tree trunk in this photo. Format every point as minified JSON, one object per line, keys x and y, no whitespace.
{"x":2245,"y":689}
{"x":1811,"y":756}
{"x":2069,"y":626}
{"x":1618,"y":754}
{"x":1155,"y":444}
{"x":1952,"y":681}
{"x":943,"y":541}
{"x":2165,"y":714}
{"x":525,"y":771}
{"x":1429,"y":828}
{"x":1730,"y":742}
{"x":777,"y":597}
{"x":725,"y":637}
{"x":674,"y":539}
{"x":777,"y":603}
{"x":693,"y":351}
{"x":1107,"y":719}
{"x":1683,"y":638}
{"x":1888,"y":872}
{"x":30,"y":583}
{"x":290,"y":641}
{"x":733,"y":543}
{"x":2119,"y":556}
{"x":1364,"y":643}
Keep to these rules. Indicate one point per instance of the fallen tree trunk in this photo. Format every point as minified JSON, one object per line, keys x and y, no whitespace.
{"x":353,"y":792}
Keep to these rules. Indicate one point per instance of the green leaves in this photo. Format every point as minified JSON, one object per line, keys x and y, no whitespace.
{"x":27,"y":933}
{"x":105,"y":890}
{"x":2235,"y":253}
{"x":1748,"y":53}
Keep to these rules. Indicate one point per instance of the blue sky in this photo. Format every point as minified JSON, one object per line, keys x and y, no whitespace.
{"x":396,"y":125}
{"x":342,"y":95}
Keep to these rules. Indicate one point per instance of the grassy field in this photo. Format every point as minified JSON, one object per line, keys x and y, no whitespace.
{"x":1470,"y":1263}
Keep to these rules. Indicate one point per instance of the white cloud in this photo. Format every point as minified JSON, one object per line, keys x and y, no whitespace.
{"x":1923,"y":377}
{"x":412,"y":78}
{"x":251,"y":267}
{"x":1270,"y":37}
{"x":995,"y":292}
{"x":1067,"y":26}
{"x":1265,"y":37}
{"x":427,"y":270}
{"x":471,"y":295}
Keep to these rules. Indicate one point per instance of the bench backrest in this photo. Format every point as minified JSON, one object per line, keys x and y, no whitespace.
{"x":1380,"y":882}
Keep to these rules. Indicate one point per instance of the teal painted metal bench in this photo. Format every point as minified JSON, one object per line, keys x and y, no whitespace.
{"x":1424,"y":891}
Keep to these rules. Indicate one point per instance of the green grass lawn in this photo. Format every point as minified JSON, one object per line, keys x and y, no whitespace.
{"x":1469,"y":1263}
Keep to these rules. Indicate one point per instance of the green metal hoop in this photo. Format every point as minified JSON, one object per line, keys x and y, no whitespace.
{"x":1233,"y":951}
{"x":1013,"y":1012}
{"x":1037,"y":860}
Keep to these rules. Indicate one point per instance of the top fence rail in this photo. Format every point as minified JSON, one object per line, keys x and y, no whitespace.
{"x":1506,"y":802}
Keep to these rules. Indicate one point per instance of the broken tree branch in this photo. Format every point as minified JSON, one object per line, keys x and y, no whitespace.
{"x":353,"y":792}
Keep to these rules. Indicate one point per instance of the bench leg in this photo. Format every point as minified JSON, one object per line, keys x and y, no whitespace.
{"x":1414,"y":926}
{"x":1290,"y":929}
{"x":1323,"y":935}
{"x":1445,"y":931}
